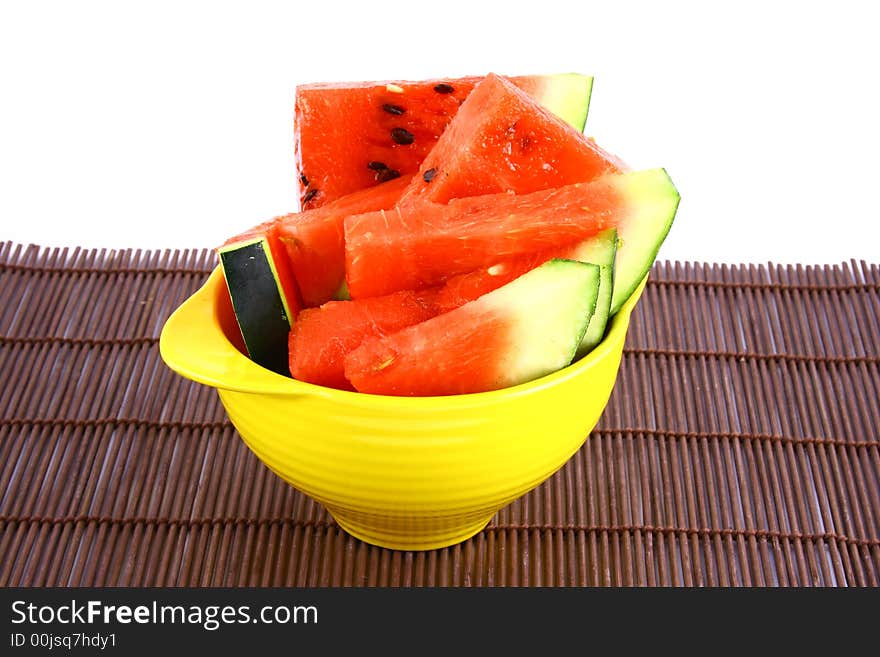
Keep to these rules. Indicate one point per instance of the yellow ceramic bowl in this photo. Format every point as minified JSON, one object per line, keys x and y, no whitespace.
{"x":399,"y":472}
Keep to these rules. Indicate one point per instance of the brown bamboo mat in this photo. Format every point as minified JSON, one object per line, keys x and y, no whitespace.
{"x":740,"y":446}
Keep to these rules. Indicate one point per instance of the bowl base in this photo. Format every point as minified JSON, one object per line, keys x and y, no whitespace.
{"x":416,"y":535}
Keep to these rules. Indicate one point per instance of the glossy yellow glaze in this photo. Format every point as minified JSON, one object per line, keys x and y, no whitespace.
{"x":403,"y":473}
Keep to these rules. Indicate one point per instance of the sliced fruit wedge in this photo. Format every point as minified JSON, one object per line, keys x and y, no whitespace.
{"x":503,"y":140}
{"x":423,"y":244}
{"x":263,"y":294}
{"x":523,"y":330}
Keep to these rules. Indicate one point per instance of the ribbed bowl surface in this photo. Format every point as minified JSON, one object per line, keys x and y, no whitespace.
{"x":403,"y":473}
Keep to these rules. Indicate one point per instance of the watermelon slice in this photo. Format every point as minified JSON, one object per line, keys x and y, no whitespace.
{"x":423,"y":244}
{"x":263,"y":293}
{"x":501,"y":140}
{"x":322,"y":337}
{"x":349,"y":136}
{"x":313,"y":240}
{"x":519,"y":332}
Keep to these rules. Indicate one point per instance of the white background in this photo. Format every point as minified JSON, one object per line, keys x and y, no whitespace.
{"x":169,"y":124}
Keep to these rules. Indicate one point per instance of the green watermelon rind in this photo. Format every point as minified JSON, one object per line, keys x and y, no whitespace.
{"x":261,"y":310}
{"x":599,"y":250}
{"x":567,"y":95}
{"x":640,"y":234}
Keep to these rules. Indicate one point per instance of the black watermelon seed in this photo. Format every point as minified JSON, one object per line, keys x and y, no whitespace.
{"x":396,"y":110}
{"x":309,"y":195}
{"x":402,"y":136}
{"x":428,"y":176}
{"x":377,"y":166}
{"x":444,"y":88}
{"x":387,"y":174}
{"x":304,"y":180}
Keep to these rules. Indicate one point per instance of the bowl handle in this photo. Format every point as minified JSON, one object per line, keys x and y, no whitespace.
{"x":194,"y":345}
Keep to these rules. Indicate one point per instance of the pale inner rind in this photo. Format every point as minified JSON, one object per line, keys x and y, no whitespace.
{"x":548,"y":310}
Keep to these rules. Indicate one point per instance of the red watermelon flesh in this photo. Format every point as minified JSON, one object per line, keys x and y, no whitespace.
{"x":322,"y":337}
{"x":423,"y":244}
{"x":349,"y":136}
{"x":313,"y":240}
{"x":501,"y":140}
